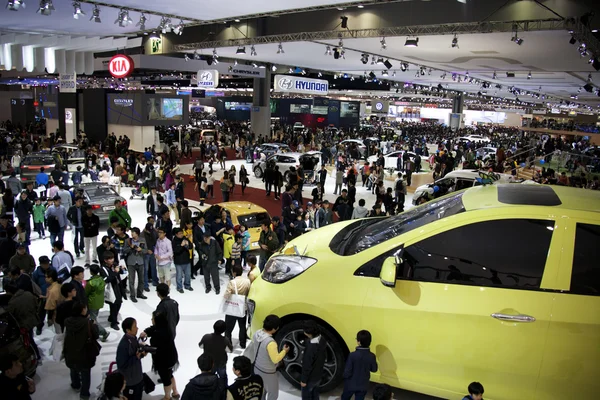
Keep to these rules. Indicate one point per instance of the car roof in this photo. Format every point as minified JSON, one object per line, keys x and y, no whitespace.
{"x":242,"y":207}
{"x":512,"y":194}
{"x":289,"y":154}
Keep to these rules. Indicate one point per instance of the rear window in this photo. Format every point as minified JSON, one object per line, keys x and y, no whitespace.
{"x":253,"y":220}
{"x":39,"y":160}
{"x":100,"y":191}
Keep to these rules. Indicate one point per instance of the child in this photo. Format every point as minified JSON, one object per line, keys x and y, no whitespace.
{"x":475,"y":391}
{"x":254,"y":271}
{"x":236,"y":251}
{"x":245,"y":242}
{"x":171,"y":201}
{"x":215,"y":345}
{"x":188,"y":233}
{"x":359,"y":366}
{"x":53,"y":296}
{"x":382,"y":391}
{"x":38,"y":218}
{"x":228,"y":240}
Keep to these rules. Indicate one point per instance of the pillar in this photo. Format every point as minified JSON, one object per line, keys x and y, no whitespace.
{"x":458,"y":104}
{"x":260,"y":115}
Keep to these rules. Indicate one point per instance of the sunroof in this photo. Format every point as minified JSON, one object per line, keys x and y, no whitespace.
{"x":531,"y":195}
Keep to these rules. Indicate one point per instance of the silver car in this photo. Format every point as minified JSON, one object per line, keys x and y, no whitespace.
{"x":310,"y":161}
{"x":101,"y":197}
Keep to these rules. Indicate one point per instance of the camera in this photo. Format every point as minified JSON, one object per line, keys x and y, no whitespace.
{"x":144,"y":348}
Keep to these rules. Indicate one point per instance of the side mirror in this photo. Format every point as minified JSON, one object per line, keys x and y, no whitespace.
{"x":388,"y":272}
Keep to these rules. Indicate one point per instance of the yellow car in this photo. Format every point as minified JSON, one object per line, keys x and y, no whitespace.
{"x":497,"y":284}
{"x":241,"y":212}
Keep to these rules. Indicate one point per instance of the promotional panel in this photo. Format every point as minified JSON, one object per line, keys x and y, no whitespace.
{"x":164,"y":109}
{"x":70,"y":124}
{"x":208,"y":79}
{"x":298,"y":84}
{"x":68,"y":83}
{"x":125,"y":108}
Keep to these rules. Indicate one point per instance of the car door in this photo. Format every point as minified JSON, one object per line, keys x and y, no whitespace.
{"x":572,"y":356}
{"x":466,"y":307}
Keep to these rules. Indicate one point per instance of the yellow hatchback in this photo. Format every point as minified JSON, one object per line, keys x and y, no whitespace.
{"x":496,"y":284}
{"x":241,"y":212}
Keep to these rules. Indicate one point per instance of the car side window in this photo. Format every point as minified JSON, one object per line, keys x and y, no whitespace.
{"x":508,"y":253}
{"x":585,"y":277}
{"x":463,"y":184}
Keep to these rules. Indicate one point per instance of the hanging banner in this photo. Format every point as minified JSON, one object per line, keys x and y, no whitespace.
{"x":208,"y":79}
{"x":68,"y":83}
{"x":297,"y":84}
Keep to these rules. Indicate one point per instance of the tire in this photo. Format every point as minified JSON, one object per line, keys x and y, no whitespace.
{"x":131,"y":197}
{"x":258,"y":172}
{"x":292,"y":334}
{"x":286,"y":177}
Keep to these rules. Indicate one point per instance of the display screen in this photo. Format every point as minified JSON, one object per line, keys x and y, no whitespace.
{"x":164,"y":109}
{"x":299,"y":108}
{"x":349,"y":110}
{"x":320,"y":110}
{"x":237,"y":106}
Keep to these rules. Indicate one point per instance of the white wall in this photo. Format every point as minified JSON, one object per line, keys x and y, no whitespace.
{"x":140,"y":136}
{"x":441,"y":114}
{"x":51,"y":126}
{"x":512,"y":119}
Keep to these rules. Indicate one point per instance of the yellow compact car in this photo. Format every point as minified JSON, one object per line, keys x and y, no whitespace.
{"x":497,"y":284}
{"x":241,"y":212}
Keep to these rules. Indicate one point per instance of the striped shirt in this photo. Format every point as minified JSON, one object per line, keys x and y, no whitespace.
{"x":236,"y":251}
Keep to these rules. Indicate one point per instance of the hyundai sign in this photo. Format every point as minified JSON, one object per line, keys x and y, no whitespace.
{"x":208,"y":78}
{"x":297,"y":84}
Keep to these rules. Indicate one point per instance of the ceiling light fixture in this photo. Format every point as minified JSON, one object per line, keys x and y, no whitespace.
{"x":142,"y":22}
{"x":384,"y":72}
{"x":383,"y":43}
{"x":380,"y":61}
{"x":319,"y":74}
{"x":13,"y":5}
{"x":196,"y":55}
{"x":529,"y":75}
{"x":215,"y":56}
{"x":255,"y":65}
{"x":77,"y":11}
{"x":236,"y":20}
{"x":178,"y":29}
{"x":360,"y":6}
{"x":394,"y":73}
{"x":241,"y":50}
{"x":455,"y":42}
{"x":165,"y":25}
{"x":364,"y":58}
{"x":404,"y":67}
{"x":344,"y":22}
{"x":328,"y":50}
{"x":303,"y":72}
{"x":96,"y":15}
{"x":274,"y":68}
{"x":494,"y":76}
{"x":46,"y":7}
{"x":290,"y":70}
{"x":572,"y":40}
{"x":252,"y":51}
{"x":411,"y":42}
{"x":517,"y":39}
{"x":280,"y":49}
{"x":388,"y":64}
{"x":186,"y":58}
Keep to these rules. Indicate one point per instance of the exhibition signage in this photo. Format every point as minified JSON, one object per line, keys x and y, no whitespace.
{"x":208,"y":79}
{"x":246,"y":70}
{"x":120,"y":66}
{"x":68,"y":83}
{"x":297,"y":84}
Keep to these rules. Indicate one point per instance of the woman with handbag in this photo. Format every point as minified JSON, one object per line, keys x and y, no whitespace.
{"x":165,"y":358}
{"x":244,"y":178}
{"x":234,"y":305}
{"x":80,"y":348}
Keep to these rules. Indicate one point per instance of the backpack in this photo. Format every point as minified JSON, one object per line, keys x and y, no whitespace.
{"x":53,"y":224}
{"x":399,"y":186}
{"x":36,"y":288}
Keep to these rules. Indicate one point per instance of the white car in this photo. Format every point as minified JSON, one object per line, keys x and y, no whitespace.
{"x":458,"y":180}
{"x":310,"y":161}
{"x":358,"y":143}
{"x":391,"y":159}
{"x":473,"y":138}
{"x":486,"y":152}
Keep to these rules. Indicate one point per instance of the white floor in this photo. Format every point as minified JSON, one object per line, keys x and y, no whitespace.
{"x":198,"y":313}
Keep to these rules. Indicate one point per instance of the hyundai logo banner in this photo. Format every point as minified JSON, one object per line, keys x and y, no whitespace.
{"x":208,"y":78}
{"x":296,"y":84}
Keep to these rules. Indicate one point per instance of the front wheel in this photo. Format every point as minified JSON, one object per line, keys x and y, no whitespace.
{"x":258,"y":172}
{"x":293,"y":335}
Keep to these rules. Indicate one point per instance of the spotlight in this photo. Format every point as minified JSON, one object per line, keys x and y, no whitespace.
{"x":429,"y":71}
{"x":394,"y":73}
{"x":46,"y":7}
{"x":573,"y":40}
{"x":274,"y":68}
{"x":230,"y":69}
{"x":165,"y":25}
{"x":380,"y":61}
{"x":142,"y":22}
{"x":596,"y":64}
{"x":517,"y":39}
{"x":290,"y":70}
{"x":123,"y":18}
{"x":364,"y":58}
{"x":96,"y":15}
{"x":13,"y":5}
{"x":252,"y":51}
{"x":215,"y":55}
{"x":411,"y":42}
{"x":303,"y":72}
{"x":494,"y":76}
{"x":455,"y":42}
{"x":387,"y":64}
{"x":404,"y":67}
{"x":529,"y":75}
{"x":241,"y":50}
{"x":422,"y":71}
{"x":360,"y":6}
{"x":384,"y":73}
{"x":178,"y":29}
{"x":344,"y":22}
{"x":77,"y":11}
{"x":186,"y":58}
{"x":280,"y":49}
{"x":197,"y":56}
{"x":319,"y":74}
{"x":383,"y":44}
{"x":373,"y":60}
{"x":328,"y":50}
{"x":255,"y":65}
{"x":467,"y":74}
{"x":372,"y":75}
{"x":588,"y":88}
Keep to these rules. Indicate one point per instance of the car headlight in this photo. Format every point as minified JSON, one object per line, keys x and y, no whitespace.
{"x":281,"y":269}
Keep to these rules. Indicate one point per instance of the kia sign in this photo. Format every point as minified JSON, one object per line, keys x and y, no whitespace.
{"x":208,"y":78}
{"x":120,"y":66}
{"x":297,"y":84}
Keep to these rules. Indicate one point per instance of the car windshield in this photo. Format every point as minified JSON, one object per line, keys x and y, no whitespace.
{"x":366,"y":233}
{"x":39,"y":160}
{"x":253,"y":220}
{"x":100,"y":191}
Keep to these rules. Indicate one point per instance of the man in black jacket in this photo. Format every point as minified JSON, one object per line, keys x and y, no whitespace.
{"x":181,"y":259}
{"x":165,"y":223}
{"x":91,"y":223}
{"x":23,"y":209}
{"x":168,"y":306}
{"x":207,"y":385}
{"x":198,"y":232}
{"x":211,"y":255}
{"x":75,"y":216}
{"x":129,"y":361}
{"x":313,"y":361}
{"x":247,"y":385}
{"x":323,"y":176}
{"x":151,"y":203}
{"x":268,"y":178}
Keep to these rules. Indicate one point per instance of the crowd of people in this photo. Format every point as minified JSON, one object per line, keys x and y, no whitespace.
{"x":55,"y":293}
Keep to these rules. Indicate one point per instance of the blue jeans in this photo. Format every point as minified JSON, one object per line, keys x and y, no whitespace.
{"x":150,"y":263}
{"x":57,"y":236}
{"x":183,"y":272}
{"x":80,"y":378}
{"x":311,"y":391}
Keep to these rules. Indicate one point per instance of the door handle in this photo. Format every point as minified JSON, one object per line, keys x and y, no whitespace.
{"x":513,"y":318}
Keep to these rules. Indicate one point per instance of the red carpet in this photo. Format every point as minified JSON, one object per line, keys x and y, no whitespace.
{"x":256,"y":196}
